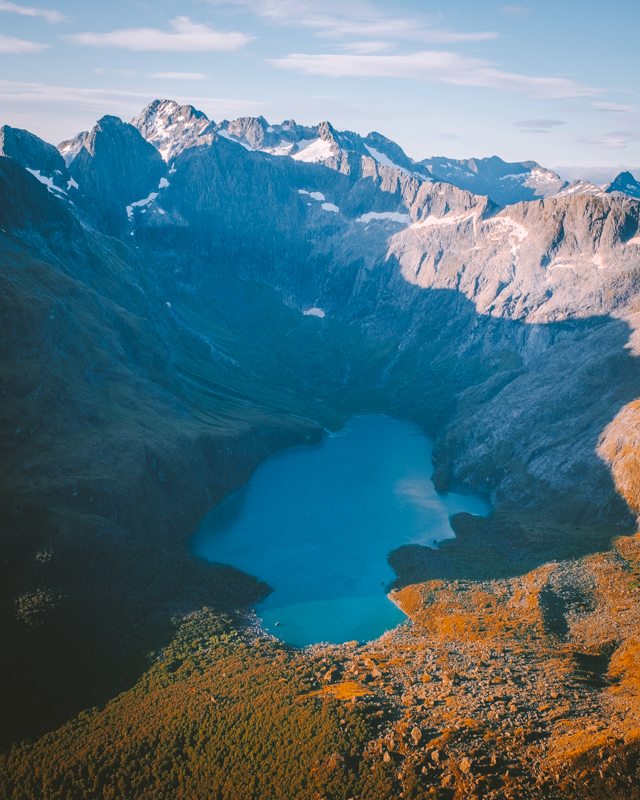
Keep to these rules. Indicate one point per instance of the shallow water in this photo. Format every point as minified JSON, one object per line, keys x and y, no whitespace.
{"x":316,"y":523}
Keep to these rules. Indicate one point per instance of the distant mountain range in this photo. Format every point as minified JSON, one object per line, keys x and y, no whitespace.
{"x":172,"y":128}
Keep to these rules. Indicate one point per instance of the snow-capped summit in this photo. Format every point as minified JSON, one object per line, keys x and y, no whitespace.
{"x":505,"y":182}
{"x":623,"y":185}
{"x":172,"y":128}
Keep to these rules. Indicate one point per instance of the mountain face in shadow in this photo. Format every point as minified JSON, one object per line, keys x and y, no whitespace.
{"x":157,"y":346}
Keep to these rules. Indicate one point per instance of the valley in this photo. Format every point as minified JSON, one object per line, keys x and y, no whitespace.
{"x":181,"y":300}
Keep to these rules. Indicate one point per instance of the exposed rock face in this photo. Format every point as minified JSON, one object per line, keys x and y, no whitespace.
{"x":171,"y":128}
{"x":70,"y":148}
{"x":625,"y":183}
{"x":30,"y":151}
{"x":504,"y":182}
{"x":114,"y":168}
{"x":38,"y":157}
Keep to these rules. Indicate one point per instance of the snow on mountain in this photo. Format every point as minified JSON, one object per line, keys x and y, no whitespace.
{"x":70,"y":149}
{"x":625,"y":183}
{"x":172,"y":128}
{"x":504,"y":182}
{"x":582,"y":187}
{"x":314,"y":151}
{"x":41,"y":159}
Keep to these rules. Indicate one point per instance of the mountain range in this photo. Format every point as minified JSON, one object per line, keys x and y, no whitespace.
{"x":182,"y":298}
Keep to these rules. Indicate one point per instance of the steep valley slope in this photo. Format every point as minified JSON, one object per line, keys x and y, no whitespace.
{"x":177,"y":306}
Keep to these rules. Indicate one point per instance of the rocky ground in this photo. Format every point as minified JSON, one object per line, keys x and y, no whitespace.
{"x":520,"y":688}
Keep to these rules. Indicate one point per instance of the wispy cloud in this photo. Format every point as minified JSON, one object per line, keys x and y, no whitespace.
{"x":615,"y":107}
{"x":335,"y":19}
{"x":187,"y":37}
{"x":108,"y":101}
{"x":19,"y":46}
{"x":174,"y":76}
{"x":51,"y":16}
{"x":516,"y":11}
{"x":180,"y":76}
{"x":538,"y":125}
{"x":615,"y":140}
{"x":430,"y":65}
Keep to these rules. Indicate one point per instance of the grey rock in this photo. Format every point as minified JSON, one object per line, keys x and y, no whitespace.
{"x":172,"y":128}
{"x":35,"y":155}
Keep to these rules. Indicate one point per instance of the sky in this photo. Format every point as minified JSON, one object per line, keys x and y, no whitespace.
{"x":554,"y":81}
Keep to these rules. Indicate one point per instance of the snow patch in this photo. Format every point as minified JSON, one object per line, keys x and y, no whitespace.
{"x":314,"y":312}
{"x":48,"y":182}
{"x":140,"y":203}
{"x":598,"y":261}
{"x":231,"y":138}
{"x":313,"y":150}
{"x":330,"y":207}
{"x":313,"y":195}
{"x":163,"y":183}
{"x":173,"y":169}
{"x":635,"y":240}
{"x":385,"y":161}
{"x":71,"y":184}
{"x":433,"y":221}
{"x":394,"y":216}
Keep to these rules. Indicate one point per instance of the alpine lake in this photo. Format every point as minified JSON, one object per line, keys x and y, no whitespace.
{"x":317,"y":523}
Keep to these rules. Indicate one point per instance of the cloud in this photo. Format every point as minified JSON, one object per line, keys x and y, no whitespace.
{"x":615,"y":140}
{"x":180,"y":76}
{"x":18,"y":46}
{"x":365,"y":48}
{"x":107,"y":101}
{"x":340,"y":18}
{"x":614,"y":107}
{"x":431,"y":65}
{"x":449,"y":136}
{"x":516,"y":11}
{"x":51,"y":16}
{"x":538,"y":125}
{"x":188,"y":37}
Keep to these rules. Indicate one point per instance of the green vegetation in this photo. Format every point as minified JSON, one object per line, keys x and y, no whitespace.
{"x":219,"y":715}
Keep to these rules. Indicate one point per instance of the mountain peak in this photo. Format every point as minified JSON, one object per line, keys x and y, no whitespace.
{"x":626,"y":184}
{"x":171,"y":128}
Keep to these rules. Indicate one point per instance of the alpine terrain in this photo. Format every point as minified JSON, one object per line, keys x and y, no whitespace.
{"x":182,"y":298}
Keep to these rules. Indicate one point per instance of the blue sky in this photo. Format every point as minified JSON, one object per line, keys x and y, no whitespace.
{"x":554,"y":81}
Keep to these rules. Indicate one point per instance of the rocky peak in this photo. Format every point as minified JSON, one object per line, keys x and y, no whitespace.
{"x":70,"y":148}
{"x":115,"y":167}
{"x":582,"y":188}
{"x":381,"y":145}
{"x":505,"y":182}
{"x":172,"y":128}
{"x":624,"y":183}
{"x":37,"y":156}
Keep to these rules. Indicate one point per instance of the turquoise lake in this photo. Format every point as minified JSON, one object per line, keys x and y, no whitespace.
{"x":316,"y":523}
